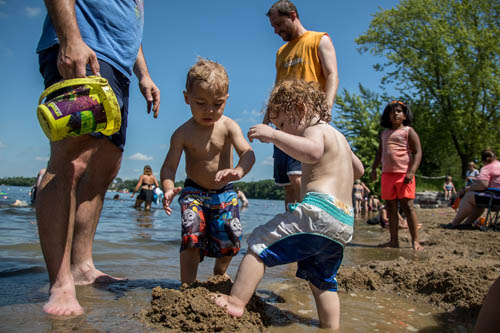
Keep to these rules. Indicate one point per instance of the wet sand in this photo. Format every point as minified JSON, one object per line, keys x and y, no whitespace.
{"x":452,"y":275}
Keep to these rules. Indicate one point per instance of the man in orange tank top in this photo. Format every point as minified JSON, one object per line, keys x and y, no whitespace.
{"x":309,"y":56}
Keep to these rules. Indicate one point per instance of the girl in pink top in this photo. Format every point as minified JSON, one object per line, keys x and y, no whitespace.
{"x":400,"y":152}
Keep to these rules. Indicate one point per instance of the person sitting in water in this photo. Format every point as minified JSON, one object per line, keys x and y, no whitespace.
{"x":147,"y":182}
{"x":374,"y":204}
{"x":209,"y":205}
{"x":313,"y":232}
{"x":489,"y":177}
{"x":383,"y":219}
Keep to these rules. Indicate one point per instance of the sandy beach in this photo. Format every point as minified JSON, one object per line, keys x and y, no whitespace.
{"x":439,"y":289}
{"x":453,"y":275}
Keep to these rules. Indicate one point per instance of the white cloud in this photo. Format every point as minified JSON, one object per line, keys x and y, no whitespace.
{"x":2,"y":145}
{"x":32,"y":11}
{"x":3,"y":2}
{"x":249,"y":117}
{"x":269,"y":160}
{"x":42,"y":158}
{"x":140,"y":157}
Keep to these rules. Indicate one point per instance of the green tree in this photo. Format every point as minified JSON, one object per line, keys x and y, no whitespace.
{"x":358,"y":118}
{"x":443,"y":57}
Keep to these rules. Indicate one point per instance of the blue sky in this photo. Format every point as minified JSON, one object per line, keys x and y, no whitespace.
{"x":236,"y":34}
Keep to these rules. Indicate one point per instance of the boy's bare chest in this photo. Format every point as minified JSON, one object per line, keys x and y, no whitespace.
{"x":203,"y":145}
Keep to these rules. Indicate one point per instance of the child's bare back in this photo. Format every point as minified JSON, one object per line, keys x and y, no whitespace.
{"x":333,"y":173}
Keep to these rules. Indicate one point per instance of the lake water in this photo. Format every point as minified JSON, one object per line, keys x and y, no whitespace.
{"x":144,"y":247}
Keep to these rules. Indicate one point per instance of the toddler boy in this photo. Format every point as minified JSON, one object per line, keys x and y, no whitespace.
{"x":209,"y":204}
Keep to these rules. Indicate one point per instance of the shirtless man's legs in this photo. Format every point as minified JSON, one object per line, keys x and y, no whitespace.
{"x":101,"y":171}
{"x":72,"y":190}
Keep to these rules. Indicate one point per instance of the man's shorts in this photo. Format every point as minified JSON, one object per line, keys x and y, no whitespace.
{"x":118,"y":82}
{"x":313,"y":234}
{"x":210,"y":220}
{"x":393,"y":186}
{"x":284,"y":165}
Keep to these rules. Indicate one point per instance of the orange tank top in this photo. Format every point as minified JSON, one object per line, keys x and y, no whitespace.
{"x":396,"y":153}
{"x":299,"y":59}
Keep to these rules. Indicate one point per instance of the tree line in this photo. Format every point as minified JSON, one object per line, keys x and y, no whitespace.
{"x":262,"y":189}
{"x":18,"y":181}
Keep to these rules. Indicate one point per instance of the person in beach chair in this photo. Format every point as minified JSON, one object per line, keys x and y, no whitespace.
{"x":474,"y":196}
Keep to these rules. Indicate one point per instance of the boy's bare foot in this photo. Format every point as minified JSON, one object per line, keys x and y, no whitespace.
{"x":62,"y":302}
{"x":417,"y":247}
{"x":389,"y":244}
{"x":228,"y":303}
{"x":90,"y":276}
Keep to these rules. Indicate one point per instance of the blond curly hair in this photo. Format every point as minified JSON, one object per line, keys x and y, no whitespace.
{"x":210,"y":72}
{"x":298,"y":99}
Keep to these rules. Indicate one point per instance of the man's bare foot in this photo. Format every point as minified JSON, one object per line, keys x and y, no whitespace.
{"x":389,"y":244}
{"x":228,"y":303}
{"x":417,"y":247}
{"x":62,"y":302}
{"x":84,"y":277}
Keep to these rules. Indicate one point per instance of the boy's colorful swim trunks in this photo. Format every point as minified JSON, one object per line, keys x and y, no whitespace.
{"x":210,"y":220}
{"x":313,"y":234}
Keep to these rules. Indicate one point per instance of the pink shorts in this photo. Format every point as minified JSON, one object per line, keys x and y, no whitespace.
{"x":393,"y":186}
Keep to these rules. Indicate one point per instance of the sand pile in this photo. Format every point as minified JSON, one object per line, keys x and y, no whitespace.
{"x":190,"y":310}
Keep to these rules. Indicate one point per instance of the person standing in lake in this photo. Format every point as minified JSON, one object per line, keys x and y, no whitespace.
{"x":80,"y":38}
{"x":146,"y":183}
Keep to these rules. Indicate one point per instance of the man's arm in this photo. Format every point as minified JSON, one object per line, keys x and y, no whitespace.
{"x":74,"y":54}
{"x":148,"y":88}
{"x":328,"y":60}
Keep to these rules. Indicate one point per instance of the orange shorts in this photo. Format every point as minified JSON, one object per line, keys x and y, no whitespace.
{"x":393,"y":186}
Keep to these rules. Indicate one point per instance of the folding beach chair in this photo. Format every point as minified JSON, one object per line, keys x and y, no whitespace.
{"x":490,"y":200}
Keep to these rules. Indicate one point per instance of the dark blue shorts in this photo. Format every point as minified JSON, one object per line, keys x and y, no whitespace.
{"x":318,"y":262}
{"x":119,"y":83}
{"x":284,"y":165}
